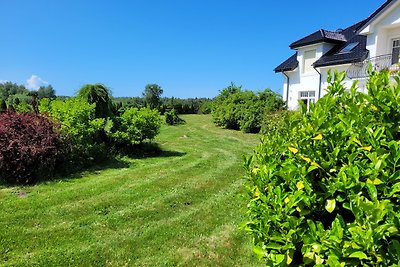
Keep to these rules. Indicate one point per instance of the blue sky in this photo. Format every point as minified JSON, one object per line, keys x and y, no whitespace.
{"x":191,"y":48}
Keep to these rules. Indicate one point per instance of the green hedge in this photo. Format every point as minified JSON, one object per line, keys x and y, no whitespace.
{"x":244,"y":110}
{"x":324,"y":189}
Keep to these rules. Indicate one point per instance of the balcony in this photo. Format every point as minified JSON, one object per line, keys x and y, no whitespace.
{"x":385,"y":62}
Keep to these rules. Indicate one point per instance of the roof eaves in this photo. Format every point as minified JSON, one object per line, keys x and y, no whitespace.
{"x":288,"y":65}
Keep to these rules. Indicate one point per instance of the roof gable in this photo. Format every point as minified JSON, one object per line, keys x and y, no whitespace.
{"x":377,"y":14}
{"x":319,"y":36}
{"x":336,"y":56}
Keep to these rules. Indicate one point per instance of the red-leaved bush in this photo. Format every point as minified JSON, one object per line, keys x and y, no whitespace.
{"x":30,"y":147}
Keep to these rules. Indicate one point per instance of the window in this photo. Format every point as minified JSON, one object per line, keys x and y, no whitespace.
{"x":307,"y":97}
{"x":395,"y":51}
{"x":348,"y":48}
{"x":308,"y":60}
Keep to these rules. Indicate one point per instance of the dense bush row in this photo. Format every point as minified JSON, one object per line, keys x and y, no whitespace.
{"x":72,"y":133}
{"x":181,"y":106}
{"x":244,"y":110}
{"x":324,"y":185}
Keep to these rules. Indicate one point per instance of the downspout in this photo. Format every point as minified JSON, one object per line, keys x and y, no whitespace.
{"x":287,"y":88}
{"x":320,"y":82}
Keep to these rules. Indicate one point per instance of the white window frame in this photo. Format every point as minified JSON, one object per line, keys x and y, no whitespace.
{"x":307,"y":97}
{"x":392,"y":47}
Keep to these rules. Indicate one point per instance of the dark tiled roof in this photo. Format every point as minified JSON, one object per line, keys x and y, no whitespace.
{"x":335,"y":56}
{"x":289,"y":64}
{"x":319,"y":37}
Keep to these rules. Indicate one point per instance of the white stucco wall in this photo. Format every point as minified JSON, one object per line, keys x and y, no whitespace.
{"x":300,"y":81}
{"x":382,"y":30}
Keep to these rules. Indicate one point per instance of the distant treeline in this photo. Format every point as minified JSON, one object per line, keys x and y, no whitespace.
{"x":19,"y":98}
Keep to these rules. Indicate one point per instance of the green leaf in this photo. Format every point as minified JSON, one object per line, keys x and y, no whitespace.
{"x":259,"y":252}
{"x":359,"y":255}
{"x":333,"y":261}
{"x":395,"y":189}
{"x":279,"y":258}
{"x":289,"y":256}
{"x":311,"y":168}
{"x":373,"y":193}
{"x":300,"y":185}
{"x":330,"y":205}
{"x":308,"y":257}
{"x":273,"y":246}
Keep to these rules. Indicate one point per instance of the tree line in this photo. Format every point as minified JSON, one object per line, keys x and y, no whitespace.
{"x":19,"y":98}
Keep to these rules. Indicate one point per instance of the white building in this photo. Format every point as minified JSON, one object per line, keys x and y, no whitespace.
{"x":374,"y":40}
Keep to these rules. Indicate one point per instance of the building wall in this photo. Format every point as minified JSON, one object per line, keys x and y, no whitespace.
{"x":299,"y":83}
{"x":347,"y":81}
{"x":381,"y":31}
{"x":304,"y":82}
{"x":380,"y":34}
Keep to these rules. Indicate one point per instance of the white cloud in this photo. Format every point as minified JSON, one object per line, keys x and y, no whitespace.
{"x":34,"y":82}
{"x":3,"y":81}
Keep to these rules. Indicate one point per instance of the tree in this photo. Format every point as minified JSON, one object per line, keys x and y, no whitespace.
{"x":152,"y":95}
{"x":100,"y":95}
{"x":46,"y":92}
{"x":34,"y":103}
{"x":8,"y":89}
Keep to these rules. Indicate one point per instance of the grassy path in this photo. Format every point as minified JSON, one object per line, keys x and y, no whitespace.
{"x":179,"y":209}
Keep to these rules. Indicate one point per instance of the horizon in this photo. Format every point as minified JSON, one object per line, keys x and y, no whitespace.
{"x":190,"y":48}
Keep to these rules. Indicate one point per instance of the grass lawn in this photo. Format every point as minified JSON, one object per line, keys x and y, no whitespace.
{"x":180,"y":208}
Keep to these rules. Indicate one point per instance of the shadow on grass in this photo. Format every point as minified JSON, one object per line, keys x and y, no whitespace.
{"x":118,"y":158}
{"x":147,"y":150}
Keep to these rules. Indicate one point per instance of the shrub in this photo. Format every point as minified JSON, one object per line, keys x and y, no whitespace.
{"x":135,"y":125}
{"x":172,"y":118}
{"x":244,"y":110}
{"x":325,"y":190}
{"x":79,"y":127}
{"x":30,"y":148}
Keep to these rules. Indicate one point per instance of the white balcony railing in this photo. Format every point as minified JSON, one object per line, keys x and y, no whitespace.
{"x":384,"y":62}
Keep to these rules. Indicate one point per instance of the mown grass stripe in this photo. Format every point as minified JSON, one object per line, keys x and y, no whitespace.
{"x":178,"y":210}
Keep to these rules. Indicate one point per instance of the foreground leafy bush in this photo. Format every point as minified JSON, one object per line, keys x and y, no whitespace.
{"x":172,"y":118}
{"x":135,"y":125}
{"x":30,"y":148}
{"x":244,"y":110}
{"x":324,"y":190}
{"x":79,"y":127}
